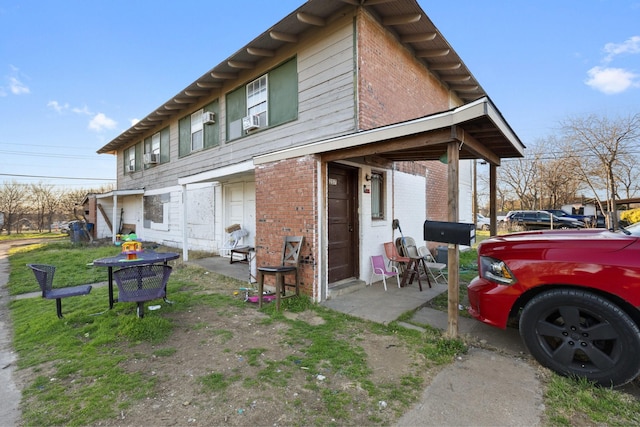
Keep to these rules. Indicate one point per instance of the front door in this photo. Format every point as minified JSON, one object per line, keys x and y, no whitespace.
{"x":343,"y":222}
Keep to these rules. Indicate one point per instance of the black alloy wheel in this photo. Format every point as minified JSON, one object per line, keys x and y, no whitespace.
{"x":577,"y":333}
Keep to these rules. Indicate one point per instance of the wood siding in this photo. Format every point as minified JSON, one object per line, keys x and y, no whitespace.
{"x":325,"y":63}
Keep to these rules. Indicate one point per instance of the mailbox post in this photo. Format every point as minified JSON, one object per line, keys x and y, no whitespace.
{"x":453,"y":233}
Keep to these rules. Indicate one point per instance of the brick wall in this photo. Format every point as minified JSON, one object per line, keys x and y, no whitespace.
{"x":286,"y":205}
{"x":393,"y":85}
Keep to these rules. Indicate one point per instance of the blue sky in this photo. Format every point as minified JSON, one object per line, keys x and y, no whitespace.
{"x":77,"y":73}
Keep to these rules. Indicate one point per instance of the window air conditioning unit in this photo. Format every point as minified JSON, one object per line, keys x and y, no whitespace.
{"x":250,"y":123}
{"x":151,"y":159}
{"x":208,"y":118}
{"x":131,"y":168}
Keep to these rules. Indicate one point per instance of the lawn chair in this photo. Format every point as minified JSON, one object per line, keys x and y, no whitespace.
{"x":394,"y":257}
{"x":289,"y":265}
{"x":377,"y":263}
{"x":44,"y":275}
{"x":142,"y":283}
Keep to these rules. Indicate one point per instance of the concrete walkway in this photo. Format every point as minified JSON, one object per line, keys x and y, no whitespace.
{"x":493,"y":384}
{"x":10,"y":395}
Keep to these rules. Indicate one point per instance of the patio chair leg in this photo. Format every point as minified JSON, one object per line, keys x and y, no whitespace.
{"x":140,"y":309}
{"x":59,"y":307}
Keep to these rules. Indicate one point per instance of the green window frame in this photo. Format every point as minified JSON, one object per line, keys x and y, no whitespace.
{"x":210,"y":131}
{"x":280,"y":106}
{"x":157,"y":145}
{"x":132,"y":157}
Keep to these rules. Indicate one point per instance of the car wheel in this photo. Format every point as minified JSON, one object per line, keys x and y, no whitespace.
{"x":485,"y":227}
{"x":577,"y":333}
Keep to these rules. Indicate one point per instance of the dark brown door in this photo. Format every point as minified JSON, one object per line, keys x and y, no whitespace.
{"x":343,"y":226}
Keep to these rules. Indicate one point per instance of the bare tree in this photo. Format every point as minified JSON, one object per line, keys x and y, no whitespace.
{"x":45,"y":201}
{"x":601,"y":145}
{"x":12,"y":197}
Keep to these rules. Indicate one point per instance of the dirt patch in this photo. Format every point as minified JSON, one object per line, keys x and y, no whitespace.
{"x":235,"y":366}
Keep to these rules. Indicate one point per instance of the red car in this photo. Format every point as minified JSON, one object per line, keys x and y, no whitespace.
{"x":574,"y":294}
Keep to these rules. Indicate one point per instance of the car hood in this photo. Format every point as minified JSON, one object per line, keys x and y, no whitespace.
{"x":599,"y":239}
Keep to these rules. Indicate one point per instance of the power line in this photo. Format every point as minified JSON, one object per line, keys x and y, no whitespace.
{"x":58,"y":177}
{"x":65,"y":156}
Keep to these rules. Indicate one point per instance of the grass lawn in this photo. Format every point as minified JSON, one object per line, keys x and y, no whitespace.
{"x":79,"y":372}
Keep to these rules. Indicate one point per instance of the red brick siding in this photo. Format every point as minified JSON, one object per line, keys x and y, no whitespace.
{"x":286,"y":205}
{"x":392,"y":85}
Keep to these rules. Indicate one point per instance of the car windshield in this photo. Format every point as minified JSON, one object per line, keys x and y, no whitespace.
{"x":633,"y":230}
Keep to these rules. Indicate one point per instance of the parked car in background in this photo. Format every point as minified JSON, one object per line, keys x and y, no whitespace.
{"x":562,"y":214}
{"x":574,"y":295}
{"x":482,"y":222}
{"x":539,"y":220}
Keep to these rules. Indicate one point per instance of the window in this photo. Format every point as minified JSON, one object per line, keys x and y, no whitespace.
{"x":377,"y":195}
{"x":193,"y":133}
{"x":272,"y":97}
{"x":132,"y":158}
{"x":197,"y":142}
{"x":155,"y":144}
{"x":156,"y":148}
{"x":257,"y":100}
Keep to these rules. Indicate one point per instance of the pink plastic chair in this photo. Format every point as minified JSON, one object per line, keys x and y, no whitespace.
{"x":377,"y":262}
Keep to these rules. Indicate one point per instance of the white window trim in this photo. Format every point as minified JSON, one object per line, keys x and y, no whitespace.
{"x":259,"y":100}
{"x":197,"y":126}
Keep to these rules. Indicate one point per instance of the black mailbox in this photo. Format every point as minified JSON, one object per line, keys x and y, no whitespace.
{"x":458,"y":233}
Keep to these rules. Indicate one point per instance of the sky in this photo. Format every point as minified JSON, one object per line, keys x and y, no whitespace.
{"x":76,"y":74}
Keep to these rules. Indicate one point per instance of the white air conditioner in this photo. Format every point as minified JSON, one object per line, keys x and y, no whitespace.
{"x":151,"y":159}
{"x":250,"y":123}
{"x":131,"y":168}
{"x":208,"y":118}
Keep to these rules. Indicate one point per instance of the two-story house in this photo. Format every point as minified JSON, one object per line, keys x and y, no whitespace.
{"x":340,"y":118}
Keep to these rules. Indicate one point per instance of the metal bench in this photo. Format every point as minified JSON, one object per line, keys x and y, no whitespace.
{"x":44,"y":275}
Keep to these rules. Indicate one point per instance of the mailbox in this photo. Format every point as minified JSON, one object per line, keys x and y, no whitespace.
{"x":458,"y":233}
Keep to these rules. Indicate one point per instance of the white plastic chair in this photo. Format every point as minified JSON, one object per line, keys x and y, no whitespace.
{"x":435,"y":269}
{"x":377,"y":263}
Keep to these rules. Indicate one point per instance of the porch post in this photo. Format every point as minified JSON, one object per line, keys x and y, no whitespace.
{"x":116,"y":220}
{"x":453,"y":157}
{"x":493,"y":200}
{"x":185,"y":243}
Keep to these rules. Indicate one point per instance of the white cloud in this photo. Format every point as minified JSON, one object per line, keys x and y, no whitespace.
{"x":84,"y":110}
{"x":14,"y":84}
{"x":133,"y":122}
{"x":101,"y":122}
{"x":17,"y":87}
{"x":57,"y":107}
{"x":611,"y":80}
{"x":630,"y":46}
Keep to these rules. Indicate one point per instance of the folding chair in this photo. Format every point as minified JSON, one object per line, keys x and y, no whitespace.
{"x":377,"y":263}
{"x":435,"y":269}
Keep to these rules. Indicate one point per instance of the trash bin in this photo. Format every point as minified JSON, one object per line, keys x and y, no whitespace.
{"x":442,"y":255}
{"x":75,"y":230}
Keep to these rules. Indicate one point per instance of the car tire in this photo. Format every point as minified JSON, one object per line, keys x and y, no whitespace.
{"x":577,"y":333}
